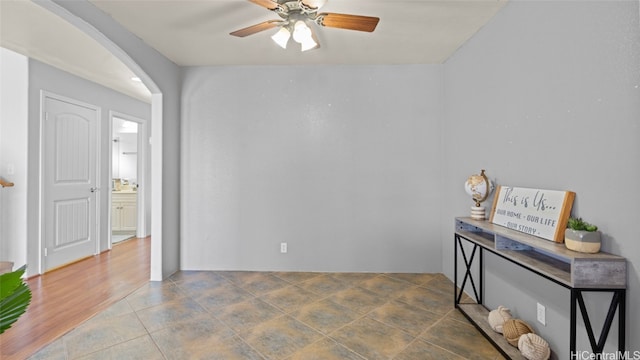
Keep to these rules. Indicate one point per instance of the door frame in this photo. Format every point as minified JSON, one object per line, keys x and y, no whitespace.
{"x":41,"y":205}
{"x":141,"y":195}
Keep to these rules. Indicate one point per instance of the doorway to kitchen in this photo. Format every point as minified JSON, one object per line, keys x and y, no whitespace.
{"x":128,"y":170}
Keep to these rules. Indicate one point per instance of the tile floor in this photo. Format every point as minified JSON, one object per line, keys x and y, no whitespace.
{"x":272,"y":315}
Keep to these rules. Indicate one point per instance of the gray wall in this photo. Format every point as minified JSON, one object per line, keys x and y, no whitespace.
{"x":340,"y":162}
{"x":48,"y":78}
{"x":547,"y":95}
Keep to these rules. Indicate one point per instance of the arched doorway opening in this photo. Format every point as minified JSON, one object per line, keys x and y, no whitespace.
{"x":79,"y":14}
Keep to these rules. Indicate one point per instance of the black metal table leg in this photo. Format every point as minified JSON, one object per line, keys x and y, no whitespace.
{"x":455,"y":270}
{"x":468,"y":262}
{"x":617,"y":303}
{"x":621,"y":320}
{"x":572,"y":326}
{"x":480,"y":299}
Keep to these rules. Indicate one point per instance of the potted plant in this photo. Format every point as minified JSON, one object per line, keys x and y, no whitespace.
{"x":581,"y":236}
{"x":15,"y":296}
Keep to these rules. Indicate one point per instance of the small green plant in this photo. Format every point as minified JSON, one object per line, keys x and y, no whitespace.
{"x":15,"y":296}
{"x":579,"y":224}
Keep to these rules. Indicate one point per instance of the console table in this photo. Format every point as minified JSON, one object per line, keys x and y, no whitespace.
{"x":578,"y":272}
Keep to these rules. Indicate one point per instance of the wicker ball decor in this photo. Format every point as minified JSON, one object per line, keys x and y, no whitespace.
{"x":534,"y":347}
{"x":497,"y":318}
{"x":513,"y":329}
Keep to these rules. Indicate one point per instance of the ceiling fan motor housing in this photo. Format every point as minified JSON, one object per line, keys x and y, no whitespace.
{"x":287,"y":8}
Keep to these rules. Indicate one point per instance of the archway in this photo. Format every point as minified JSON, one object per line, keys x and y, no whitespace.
{"x":78,"y":14}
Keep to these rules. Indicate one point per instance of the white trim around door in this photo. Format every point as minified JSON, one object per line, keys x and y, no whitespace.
{"x":142,"y":174}
{"x":69,"y":181}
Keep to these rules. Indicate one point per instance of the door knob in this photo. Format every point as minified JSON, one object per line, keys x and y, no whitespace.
{"x":94,"y":189}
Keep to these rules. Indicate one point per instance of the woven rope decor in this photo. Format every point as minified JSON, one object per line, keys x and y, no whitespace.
{"x":513,"y":329}
{"x":497,"y":318}
{"x":534,"y":347}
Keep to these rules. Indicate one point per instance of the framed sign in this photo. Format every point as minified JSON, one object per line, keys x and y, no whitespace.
{"x":542,"y":213}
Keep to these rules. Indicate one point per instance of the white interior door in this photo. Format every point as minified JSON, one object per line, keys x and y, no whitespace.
{"x":69,"y":181}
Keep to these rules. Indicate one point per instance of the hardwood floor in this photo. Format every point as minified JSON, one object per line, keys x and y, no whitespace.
{"x":66,"y":297}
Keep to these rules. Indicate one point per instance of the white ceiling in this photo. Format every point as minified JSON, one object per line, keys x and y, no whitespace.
{"x":33,"y":31}
{"x":196,"y":33}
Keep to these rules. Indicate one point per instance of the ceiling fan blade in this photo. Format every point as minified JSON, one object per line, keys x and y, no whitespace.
{"x":350,"y":22}
{"x":314,"y":4}
{"x":270,"y":24}
{"x":271,"y":5}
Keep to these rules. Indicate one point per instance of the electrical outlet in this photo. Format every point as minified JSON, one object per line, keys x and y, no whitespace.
{"x":541,"y":314}
{"x":283,"y":248}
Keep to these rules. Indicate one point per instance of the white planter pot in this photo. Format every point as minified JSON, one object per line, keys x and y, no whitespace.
{"x":582,"y":241}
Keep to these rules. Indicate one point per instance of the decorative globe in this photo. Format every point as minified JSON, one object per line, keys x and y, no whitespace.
{"x":478,"y":187}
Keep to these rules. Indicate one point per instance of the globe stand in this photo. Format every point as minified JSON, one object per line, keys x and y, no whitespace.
{"x":478,"y":187}
{"x":477,"y":212}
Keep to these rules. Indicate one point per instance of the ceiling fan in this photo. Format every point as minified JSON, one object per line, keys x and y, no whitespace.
{"x":296,"y":14}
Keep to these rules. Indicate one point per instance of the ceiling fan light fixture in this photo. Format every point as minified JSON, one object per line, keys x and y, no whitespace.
{"x":303,"y":35}
{"x":310,"y":44}
{"x":282,"y":37}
